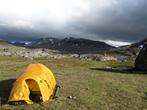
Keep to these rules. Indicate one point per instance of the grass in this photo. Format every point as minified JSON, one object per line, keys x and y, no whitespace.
{"x":94,"y":89}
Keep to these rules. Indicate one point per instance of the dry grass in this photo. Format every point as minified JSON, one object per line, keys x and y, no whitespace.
{"x":94,"y":89}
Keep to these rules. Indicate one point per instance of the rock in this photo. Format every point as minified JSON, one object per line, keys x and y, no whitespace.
{"x":70,"y":97}
{"x":141,"y":60}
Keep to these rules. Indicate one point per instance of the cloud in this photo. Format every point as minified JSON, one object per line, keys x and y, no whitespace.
{"x":117,"y":43}
{"x":120,"y":20}
{"x":113,"y":20}
{"x":22,"y":24}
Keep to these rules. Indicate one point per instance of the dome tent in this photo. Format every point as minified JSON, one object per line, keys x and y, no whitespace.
{"x":37,"y":80}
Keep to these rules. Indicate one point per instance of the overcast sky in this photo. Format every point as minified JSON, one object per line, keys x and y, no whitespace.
{"x":110,"y":20}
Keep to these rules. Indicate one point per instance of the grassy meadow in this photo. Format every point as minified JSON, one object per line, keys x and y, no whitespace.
{"x":93,"y":86}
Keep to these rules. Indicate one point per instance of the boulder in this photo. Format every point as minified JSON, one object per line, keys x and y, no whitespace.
{"x":141,"y":60}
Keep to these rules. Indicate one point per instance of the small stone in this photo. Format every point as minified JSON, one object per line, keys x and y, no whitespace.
{"x":70,"y":97}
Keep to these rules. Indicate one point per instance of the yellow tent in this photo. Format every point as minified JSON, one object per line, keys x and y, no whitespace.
{"x":36,"y":79}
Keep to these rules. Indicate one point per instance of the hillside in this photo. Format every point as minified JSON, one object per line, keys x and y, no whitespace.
{"x":129,"y":50}
{"x":71,"y":45}
{"x":11,"y":49}
{"x":6,"y":44}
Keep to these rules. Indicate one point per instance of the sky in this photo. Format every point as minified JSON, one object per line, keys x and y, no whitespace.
{"x":117,"y":22}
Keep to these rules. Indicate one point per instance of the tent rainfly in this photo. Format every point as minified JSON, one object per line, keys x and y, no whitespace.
{"x":37,"y":83}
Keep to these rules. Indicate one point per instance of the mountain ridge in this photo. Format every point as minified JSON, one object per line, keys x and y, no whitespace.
{"x":77,"y":45}
{"x":71,"y":45}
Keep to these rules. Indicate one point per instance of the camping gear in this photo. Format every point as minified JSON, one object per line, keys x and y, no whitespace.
{"x":56,"y":93}
{"x":36,"y":84}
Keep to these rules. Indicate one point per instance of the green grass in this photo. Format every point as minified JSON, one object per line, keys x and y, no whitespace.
{"x":94,"y":89}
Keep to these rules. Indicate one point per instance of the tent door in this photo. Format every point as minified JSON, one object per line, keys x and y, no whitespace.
{"x":35,"y":94}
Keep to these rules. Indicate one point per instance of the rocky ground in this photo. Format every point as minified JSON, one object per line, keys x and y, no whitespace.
{"x":37,"y":53}
{"x":7,"y":49}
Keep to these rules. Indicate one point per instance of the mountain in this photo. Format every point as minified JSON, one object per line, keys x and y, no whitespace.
{"x":76,"y":45}
{"x":20,"y":43}
{"x":71,"y":45}
{"x":130,"y":50}
{"x":139,"y":44}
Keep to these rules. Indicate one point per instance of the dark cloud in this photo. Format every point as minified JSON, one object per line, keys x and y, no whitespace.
{"x":118,"y":20}
{"x":123,"y":21}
